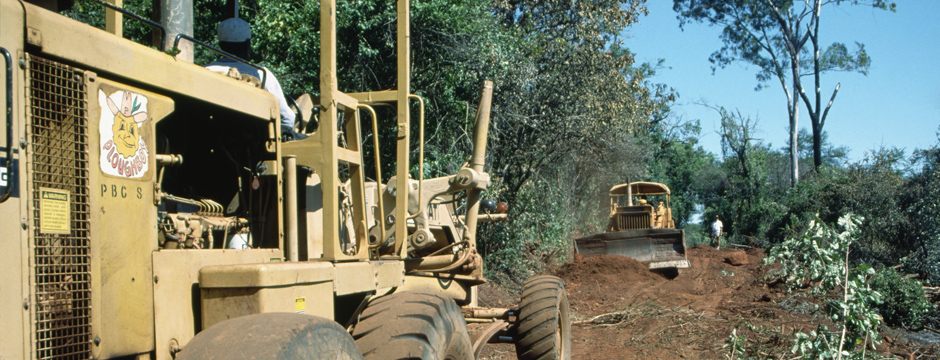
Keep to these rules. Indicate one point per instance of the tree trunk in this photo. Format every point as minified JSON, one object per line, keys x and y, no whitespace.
{"x":794,"y":50}
{"x":794,"y":147}
{"x":817,"y":146}
{"x":817,"y":121}
{"x":794,"y":128}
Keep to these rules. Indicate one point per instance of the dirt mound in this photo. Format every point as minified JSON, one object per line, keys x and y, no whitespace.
{"x":606,"y":268}
{"x":689,"y":316}
{"x":621,"y":310}
{"x":610,"y":282}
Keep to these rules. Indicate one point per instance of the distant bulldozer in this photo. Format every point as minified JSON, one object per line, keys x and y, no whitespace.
{"x":640,"y":230}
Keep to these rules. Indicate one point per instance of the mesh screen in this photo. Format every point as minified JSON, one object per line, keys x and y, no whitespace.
{"x":633,"y":221}
{"x":61,"y":279}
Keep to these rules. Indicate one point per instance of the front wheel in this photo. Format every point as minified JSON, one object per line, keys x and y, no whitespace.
{"x":413,"y":325}
{"x":274,"y":336}
{"x":543,"y":329}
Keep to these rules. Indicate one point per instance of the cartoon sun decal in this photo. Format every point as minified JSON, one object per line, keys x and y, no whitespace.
{"x":125,"y":129}
{"x":124,"y":150}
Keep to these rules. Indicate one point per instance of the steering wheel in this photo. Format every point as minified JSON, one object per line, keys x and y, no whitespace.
{"x":299,"y":123}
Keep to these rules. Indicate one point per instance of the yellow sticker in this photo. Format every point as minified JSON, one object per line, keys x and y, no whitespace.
{"x":54,"y":214}
{"x":300,"y":305}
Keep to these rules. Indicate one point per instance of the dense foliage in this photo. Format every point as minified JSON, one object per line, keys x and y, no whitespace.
{"x":904,"y":301}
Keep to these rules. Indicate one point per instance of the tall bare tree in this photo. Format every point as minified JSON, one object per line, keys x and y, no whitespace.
{"x":781,"y":37}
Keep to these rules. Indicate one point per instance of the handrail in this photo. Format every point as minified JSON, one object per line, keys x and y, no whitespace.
{"x":420,"y":155}
{"x":9,"y":110}
{"x":378,"y":174}
{"x":264,"y":74}
{"x":420,"y":150}
{"x":136,"y":17}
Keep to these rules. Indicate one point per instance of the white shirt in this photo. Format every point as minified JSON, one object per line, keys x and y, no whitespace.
{"x":270,"y":84}
{"x":716,"y":228}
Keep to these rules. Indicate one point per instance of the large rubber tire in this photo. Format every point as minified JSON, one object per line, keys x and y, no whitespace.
{"x":272,"y":336}
{"x":543,"y":327}
{"x":413,"y":325}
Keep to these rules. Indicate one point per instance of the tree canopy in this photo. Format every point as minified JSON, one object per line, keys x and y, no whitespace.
{"x":782,"y":38}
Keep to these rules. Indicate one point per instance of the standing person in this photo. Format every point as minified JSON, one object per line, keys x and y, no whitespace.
{"x":235,"y":38}
{"x":717,"y":228}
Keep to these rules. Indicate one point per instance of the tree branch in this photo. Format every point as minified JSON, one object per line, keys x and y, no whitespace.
{"x":822,"y":121}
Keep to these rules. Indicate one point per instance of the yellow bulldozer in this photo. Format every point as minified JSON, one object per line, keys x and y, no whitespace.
{"x":640,"y":227}
{"x":151,"y":209}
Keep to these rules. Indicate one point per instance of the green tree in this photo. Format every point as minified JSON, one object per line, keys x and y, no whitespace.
{"x":743,"y":197}
{"x":781,"y":38}
{"x":831,"y":155}
{"x":567,"y":89}
{"x":924,"y":195}
{"x":874,"y":188}
{"x":677,"y":160}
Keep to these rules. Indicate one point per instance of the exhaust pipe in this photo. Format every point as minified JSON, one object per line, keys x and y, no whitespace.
{"x":629,"y":193}
{"x":481,"y":128}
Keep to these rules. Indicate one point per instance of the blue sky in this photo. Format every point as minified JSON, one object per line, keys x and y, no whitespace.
{"x":897,"y":104}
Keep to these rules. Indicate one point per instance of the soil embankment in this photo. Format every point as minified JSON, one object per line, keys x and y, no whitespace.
{"x":623,"y":311}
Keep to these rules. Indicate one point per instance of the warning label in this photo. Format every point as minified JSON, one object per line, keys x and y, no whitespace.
{"x":300,"y":305}
{"x":54,"y":214}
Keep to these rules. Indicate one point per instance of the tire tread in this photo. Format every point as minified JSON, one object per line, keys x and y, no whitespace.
{"x":411,"y":325}
{"x":544,"y":300}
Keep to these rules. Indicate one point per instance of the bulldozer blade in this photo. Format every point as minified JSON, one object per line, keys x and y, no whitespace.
{"x":658,"y":248}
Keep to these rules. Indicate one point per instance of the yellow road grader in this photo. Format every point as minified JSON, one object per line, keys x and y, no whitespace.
{"x":150,"y":209}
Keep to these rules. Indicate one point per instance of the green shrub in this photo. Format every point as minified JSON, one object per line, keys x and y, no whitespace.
{"x":820,"y":256}
{"x":695,"y":235}
{"x":537,"y":234}
{"x":904,"y":301}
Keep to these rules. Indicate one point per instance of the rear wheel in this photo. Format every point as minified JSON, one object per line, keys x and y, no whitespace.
{"x":543,"y":328}
{"x":413,"y":325}
{"x":272,"y":336}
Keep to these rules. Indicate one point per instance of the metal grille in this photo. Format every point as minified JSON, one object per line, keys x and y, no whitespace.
{"x":61,"y":278}
{"x":631,"y":221}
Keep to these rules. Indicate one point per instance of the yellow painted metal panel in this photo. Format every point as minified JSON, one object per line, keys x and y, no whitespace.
{"x":388,"y":273}
{"x":14,"y":293}
{"x":176,"y":306}
{"x":265,"y":275}
{"x":456,"y":290}
{"x":220,"y":304}
{"x":122,"y":152}
{"x":347,"y":156}
{"x":354,"y":277}
{"x":116,"y":57}
{"x":372,"y":97}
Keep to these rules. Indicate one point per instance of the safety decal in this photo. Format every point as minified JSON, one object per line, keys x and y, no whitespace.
{"x":54,"y":211}
{"x":124,"y":152}
{"x":300,"y":305}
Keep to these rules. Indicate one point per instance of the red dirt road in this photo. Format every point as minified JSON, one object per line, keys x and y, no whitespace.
{"x":623,"y":311}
